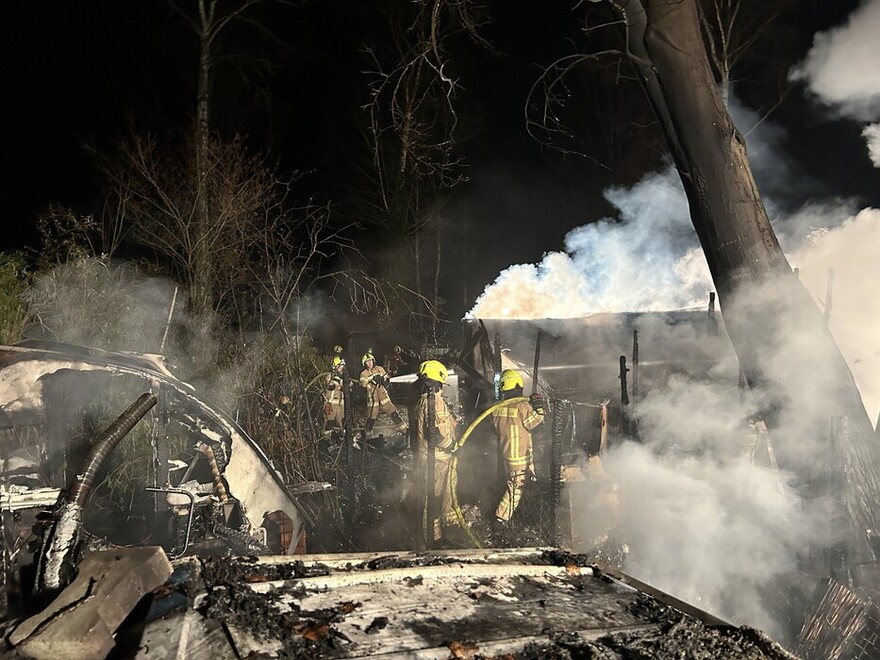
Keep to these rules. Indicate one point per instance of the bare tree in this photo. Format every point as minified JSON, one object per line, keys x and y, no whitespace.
{"x":767,"y":312}
{"x":732,"y":29}
{"x":159,"y":192}
{"x":413,"y":124}
{"x":210,"y":20}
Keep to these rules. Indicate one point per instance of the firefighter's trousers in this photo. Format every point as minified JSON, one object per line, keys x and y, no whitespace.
{"x":513,"y":490}
{"x":445,"y":514}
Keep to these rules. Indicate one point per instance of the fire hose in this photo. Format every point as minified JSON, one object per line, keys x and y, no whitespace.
{"x":453,"y":465}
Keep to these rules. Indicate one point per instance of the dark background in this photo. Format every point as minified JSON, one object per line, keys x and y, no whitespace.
{"x":79,"y":75}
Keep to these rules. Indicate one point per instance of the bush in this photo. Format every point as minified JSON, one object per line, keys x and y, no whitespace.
{"x":14,"y":281}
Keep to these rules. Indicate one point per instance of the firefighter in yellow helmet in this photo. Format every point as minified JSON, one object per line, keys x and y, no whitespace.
{"x":374,"y":380}
{"x":334,"y":395}
{"x":514,"y":423}
{"x":436,"y":429}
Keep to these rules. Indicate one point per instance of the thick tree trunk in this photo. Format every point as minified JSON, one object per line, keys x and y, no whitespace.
{"x":796,"y":372}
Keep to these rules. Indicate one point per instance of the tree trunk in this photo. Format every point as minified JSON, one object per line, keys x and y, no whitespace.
{"x":792,"y":364}
{"x":200,"y":277}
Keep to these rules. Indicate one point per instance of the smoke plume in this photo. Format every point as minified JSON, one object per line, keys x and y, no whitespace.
{"x":648,"y":259}
{"x":871,"y":133}
{"x":843,"y":69}
{"x":702,"y":519}
{"x":850,"y":252}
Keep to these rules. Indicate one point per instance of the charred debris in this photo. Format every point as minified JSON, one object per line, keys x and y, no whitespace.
{"x":188,"y":544}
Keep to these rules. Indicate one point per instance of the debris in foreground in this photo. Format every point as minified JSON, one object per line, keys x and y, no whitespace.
{"x":526,"y":603}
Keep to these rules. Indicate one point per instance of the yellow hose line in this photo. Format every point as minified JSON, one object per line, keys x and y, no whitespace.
{"x":453,"y":466}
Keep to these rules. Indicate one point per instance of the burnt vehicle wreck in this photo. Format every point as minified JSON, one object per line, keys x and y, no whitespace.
{"x":171,"y":471}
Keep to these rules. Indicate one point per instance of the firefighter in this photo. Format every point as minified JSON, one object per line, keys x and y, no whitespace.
{"x":334,"y":395}
{"x":441,"y":437}
{"x":395,"y":361}
{"x":514,"y":423}
{"x":374,"y":380}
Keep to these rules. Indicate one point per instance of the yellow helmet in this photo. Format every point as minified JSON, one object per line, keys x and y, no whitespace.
{"x":368,"y":356}
{"x":337,"y":361}
{"x":510,"y":380}
{"x":434,"y":370}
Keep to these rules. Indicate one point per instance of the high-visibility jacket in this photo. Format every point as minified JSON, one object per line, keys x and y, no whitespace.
{"x":443,"y":441}
{"x":333,"y":391}
{"x":514,"y":423}
{"x":334,"y":400}
{"x":377,"y":396}
{"x":444,"y":422}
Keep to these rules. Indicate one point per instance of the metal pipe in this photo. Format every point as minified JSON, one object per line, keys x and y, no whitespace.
{"x":635,"y":368}
{"x":624,"y":397}
{"x":496,"y":365}
{"x":555,"y":467}
{"x":79,"y":490}
{"x":219,"y":486}
{"x":537,"y":362}
{"x":192,"y":508}
{"x":347,"y":441}
{"x":56,"y":563}
{"x":711,"y":320}
{"x":168,"y":321}
{"x":430,"y":469}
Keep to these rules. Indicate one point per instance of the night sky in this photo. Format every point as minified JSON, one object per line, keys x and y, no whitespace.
{"x":78,"y":75}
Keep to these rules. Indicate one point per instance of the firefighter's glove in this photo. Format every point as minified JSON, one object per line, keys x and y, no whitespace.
{"x":537,"y":401}
{"x":377,"y":379}
{"x":331,"y":385}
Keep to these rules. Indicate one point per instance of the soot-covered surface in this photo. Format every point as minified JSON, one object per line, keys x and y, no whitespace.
{"x":507,"y":603}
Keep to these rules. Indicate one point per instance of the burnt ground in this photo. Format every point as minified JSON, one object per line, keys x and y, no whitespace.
{"x":314,"y":633}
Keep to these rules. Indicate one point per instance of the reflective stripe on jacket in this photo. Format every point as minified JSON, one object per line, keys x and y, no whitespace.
{"x":377,"y":395}
{"x":514,"y":423}
{"x":443,"y":421}
{"x":334,"y":395}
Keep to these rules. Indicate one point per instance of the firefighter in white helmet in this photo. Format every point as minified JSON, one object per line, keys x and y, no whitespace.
{"x":374,"y":380}
{"x":514,"y":423}
{"x":435,"y":431}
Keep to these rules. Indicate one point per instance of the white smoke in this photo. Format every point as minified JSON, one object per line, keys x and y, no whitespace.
{"x":850,"y":250}
{"x":871,"y":133}
{"x":843,"y":69}
{"x":699,"y":520}
{"x":711,"y":530}
{"x":649,"y":260}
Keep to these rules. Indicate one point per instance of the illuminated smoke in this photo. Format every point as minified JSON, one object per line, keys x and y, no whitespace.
{"x":649,"y":260}
{"x":843,"y":70}
{"x":851,"y":250}
{"x":871,"y":133}
{"x":700,"y":522}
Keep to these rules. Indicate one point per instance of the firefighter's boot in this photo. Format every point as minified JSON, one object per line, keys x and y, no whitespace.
{"x":401,"y":426}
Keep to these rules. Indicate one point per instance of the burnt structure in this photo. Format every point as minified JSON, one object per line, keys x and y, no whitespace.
{"x":171,"y":471}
